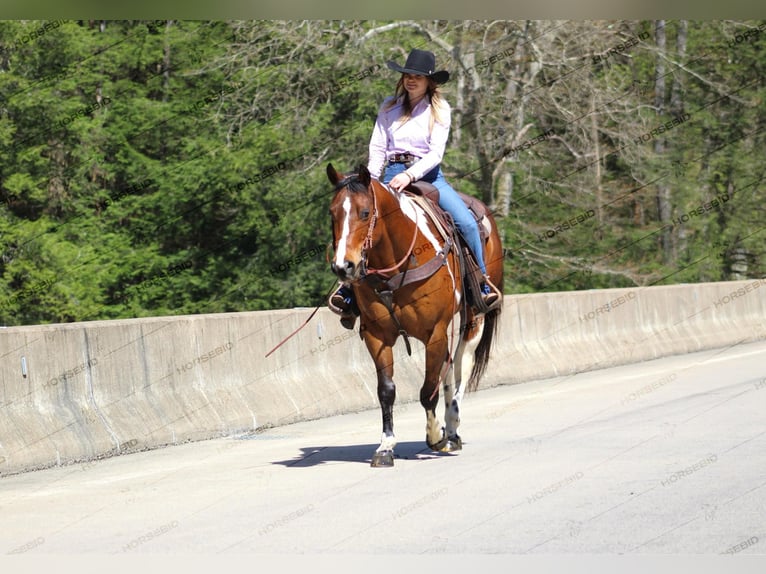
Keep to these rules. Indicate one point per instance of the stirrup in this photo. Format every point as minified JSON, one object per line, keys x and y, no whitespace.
{"x":344,"y":306}
{"x":490,"y":294}
{"x":339,"y":304}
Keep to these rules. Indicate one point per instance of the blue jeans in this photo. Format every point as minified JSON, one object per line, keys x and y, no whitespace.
{"x":450,"y":202}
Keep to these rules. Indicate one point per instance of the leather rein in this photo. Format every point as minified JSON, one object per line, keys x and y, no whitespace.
{"x":383,"y":285}
{"x":391,"y":283}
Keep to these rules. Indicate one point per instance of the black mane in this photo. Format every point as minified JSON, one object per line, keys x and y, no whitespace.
{"x":352,"y":182}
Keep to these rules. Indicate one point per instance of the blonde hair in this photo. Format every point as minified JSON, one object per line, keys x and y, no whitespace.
{"x":433,"y":93}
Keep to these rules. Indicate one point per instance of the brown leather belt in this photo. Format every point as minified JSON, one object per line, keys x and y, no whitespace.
{"x":403,"y":158}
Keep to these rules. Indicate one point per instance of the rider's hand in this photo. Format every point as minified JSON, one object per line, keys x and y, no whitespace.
{"x":400,"y":181}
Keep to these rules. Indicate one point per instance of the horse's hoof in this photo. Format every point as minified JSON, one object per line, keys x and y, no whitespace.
{"x":452,"y":444}
{"x":447,"y":445}
{"x":383,"y":458}
{"x":437,"y":446}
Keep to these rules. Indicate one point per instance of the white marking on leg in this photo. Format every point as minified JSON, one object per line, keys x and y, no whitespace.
{"x":464,"y":360}
{"x":453,"y":398}
{"x":340,"y":254}
{"x":433,"y":428}
{"x":386,"y":443}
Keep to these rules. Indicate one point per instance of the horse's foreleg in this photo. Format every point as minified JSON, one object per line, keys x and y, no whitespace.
{"x":384,"y":362}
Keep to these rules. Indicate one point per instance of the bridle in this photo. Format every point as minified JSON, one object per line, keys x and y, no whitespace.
{"x":385,"y":285}
{"x":367,"y":245}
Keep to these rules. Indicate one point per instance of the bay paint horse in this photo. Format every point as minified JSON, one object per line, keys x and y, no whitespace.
{"x":375,"y":230}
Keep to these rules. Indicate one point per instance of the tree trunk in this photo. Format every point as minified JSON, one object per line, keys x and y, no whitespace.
{"x":457,"y":117}
{"x":166,"y":66}
{"x":165,"y":79}
{"x":676,"y":94}
{"x":504,"y":192}
{"x":513,"y":115}
{"x":597,"y":165}
{"x":677,"y":110}
{"x":663,"y":190}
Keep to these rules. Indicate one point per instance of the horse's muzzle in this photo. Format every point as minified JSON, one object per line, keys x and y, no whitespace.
{"x":348,"y":271}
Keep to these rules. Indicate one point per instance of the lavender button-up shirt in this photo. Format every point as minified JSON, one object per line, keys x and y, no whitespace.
{"x":389,"y":137}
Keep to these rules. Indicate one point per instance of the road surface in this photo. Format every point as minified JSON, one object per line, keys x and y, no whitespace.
{"x":661,"y":457}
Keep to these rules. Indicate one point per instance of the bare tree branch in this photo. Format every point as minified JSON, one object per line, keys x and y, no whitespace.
{"x":407,"y":24}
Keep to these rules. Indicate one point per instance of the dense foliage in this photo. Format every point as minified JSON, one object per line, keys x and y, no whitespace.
{"x":176,"y":167}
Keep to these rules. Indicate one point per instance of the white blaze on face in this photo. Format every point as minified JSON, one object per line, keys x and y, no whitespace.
{"x":340,"y":253}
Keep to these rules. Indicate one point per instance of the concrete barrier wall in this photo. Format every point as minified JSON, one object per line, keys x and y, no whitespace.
{"x":81,"y":391}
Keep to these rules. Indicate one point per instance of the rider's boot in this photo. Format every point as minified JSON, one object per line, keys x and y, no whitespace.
{"x":342,"y":302}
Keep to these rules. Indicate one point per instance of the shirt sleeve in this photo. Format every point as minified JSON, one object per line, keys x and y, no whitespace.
{"x":378,"y":144}
{"x":437,"y":143}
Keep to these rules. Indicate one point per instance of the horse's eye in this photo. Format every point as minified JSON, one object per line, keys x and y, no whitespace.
{"x":364,"y":214}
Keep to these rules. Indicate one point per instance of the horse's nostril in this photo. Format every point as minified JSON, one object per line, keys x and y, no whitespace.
{"x":340,"y":270}
{"x":343,"y":271}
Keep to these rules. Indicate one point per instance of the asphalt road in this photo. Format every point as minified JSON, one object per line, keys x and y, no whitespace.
{"x":661,"y":457}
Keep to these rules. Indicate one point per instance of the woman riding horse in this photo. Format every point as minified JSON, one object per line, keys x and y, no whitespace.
{"x":409,"y":139}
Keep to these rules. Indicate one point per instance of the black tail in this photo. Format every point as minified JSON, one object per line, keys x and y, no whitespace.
{"x":481,"y":355}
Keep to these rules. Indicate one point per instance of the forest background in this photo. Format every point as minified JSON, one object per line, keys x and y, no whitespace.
{"x":178,"y":167}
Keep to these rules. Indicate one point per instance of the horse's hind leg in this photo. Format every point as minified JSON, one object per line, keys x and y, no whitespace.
{"x":454,"y":386}
{"x":453,"y":394}
{"x":450,"y":440}
{"x":436,"y":352}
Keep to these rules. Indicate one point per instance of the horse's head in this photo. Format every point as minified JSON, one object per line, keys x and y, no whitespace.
{"x":353,"y":213}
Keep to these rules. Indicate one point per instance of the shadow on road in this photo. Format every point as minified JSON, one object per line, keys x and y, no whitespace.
{"x":362,"y":453}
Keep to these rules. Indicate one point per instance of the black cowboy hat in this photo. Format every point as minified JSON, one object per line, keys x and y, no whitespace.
{"x":422,"y":63}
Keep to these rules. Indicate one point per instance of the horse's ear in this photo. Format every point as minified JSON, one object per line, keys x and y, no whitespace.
{"x":364,"y":175}
{"x":333,"y":175}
